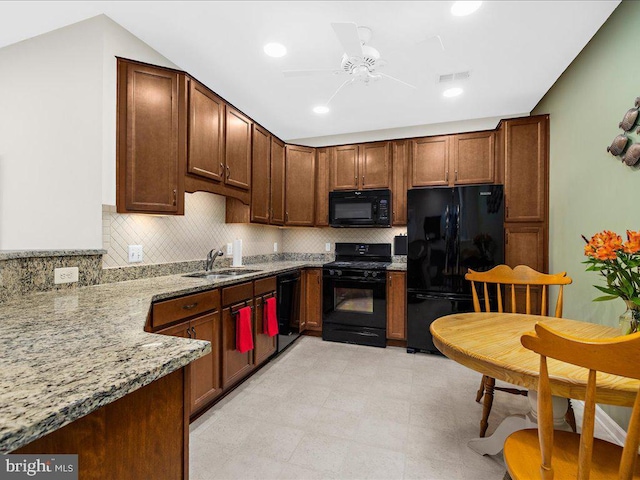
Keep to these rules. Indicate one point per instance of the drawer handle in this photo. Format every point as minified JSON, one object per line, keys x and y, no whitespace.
{"x":193,"y":330}
{"x":190,"y":306}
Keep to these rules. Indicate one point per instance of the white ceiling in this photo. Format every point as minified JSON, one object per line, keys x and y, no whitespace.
{"x":515,"y":51}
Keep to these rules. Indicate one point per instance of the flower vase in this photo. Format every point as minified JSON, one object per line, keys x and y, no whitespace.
{"x":630,"y":319}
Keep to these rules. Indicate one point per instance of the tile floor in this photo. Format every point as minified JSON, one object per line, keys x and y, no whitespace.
{"x":337,"y":411}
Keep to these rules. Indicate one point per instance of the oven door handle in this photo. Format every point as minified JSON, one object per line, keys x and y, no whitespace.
{"x":357,"y":279}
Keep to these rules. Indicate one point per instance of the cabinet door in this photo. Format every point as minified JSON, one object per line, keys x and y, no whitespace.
{"x":277,"y":182}
{"x":323,"y":159}
{"x":473,"y":156}
{"x":238,"y":150}
{"x":265,"y":345}
{"x":526,"y":165}
{"x":396,"y":305}
{"x":151,"y":136}
{"x":344,"y":168}
{"x":300,"y":185}
{"x":524,"y":245}
{"x":400,"y":182}
{"x":235,"y":365}
{"x":179,"y":330}
{"x":261,"y":172}
{"x":313,"y":299}
{"x":206,"y":383}
{"x":206,"y":133}
{"x":375,"y":165}
{"x":430,"y":161}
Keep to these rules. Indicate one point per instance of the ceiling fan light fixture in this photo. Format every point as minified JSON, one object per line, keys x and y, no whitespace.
{"x":452,"y":92}
{"x":275,"y":50}
{"x":462,"y":8}
{"x":321,"y":109}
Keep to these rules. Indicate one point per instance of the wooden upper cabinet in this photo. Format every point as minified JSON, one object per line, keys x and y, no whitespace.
{"x":375,"y":165}
{"x":524,"y":245}
{"x":151,"y":139}
{"x":206,"y":133}
{"x":261,"y":174}
{"x":473,"y":158}
{"x":323,"y":159}
{"x":526,"y":151}
{"x":238,"y":149}
{"x":344,"y":168}
{"x":300,"y":175}
{"x":400,"y":183}
{"x":277,"y":182}
{"x":430,"y":161}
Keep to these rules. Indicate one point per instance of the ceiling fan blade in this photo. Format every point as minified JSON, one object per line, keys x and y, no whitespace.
{"x":397,"y":80}
{"x":347,"y":33}
{"x":344,"y":84}
{"x":310,"y":73}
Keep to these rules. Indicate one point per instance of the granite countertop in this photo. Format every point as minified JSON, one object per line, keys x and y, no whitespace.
{"x":66,"y":353}
{"x":11,"y":254}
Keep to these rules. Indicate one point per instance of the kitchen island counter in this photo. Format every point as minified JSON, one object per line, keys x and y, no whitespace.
{"x":69,"y":352}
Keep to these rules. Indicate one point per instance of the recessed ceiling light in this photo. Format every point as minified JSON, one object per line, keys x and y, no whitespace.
{"x":452,"y":92}
{"x":321,"y":109}
{"x":460,"y":9}
{"x":275,"y":50}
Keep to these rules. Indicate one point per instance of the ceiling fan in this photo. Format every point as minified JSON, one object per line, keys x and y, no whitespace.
{"x":359,"y":63}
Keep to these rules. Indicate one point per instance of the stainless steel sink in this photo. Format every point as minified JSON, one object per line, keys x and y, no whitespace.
{"x":207,"y":275}
{"x":236,"y":271}
{"x":221,"y":274}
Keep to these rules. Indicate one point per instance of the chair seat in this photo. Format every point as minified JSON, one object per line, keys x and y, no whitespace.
{"x":522,"y":456}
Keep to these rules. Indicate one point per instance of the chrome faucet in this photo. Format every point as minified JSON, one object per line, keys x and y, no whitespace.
{"x":211,"y":257}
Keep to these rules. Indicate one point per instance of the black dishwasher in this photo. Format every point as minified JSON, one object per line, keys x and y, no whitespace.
{"x":288,"y":310}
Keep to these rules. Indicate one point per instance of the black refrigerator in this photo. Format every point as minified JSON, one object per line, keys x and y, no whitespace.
{"x":449,"y":230}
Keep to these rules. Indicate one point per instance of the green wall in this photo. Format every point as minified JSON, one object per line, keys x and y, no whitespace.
{"x":590,"y":190}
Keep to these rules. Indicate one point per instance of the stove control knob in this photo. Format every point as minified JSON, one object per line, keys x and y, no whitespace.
{"x":331,"y":272}
{"x":339,"y":272}
{"x":374,"y":274}
{"x":366,"y":274}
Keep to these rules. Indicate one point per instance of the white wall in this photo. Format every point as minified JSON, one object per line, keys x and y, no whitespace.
{"x":50,"y":141}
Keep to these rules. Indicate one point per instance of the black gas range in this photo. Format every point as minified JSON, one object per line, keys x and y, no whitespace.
{"x":355,"y":294}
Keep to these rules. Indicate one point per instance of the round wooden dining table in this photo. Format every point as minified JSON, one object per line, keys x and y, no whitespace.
{"x":490,"y":344}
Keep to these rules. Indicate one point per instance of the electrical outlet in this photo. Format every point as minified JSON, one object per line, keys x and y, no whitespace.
{"x":229,"y":248}
{"x":135,"y":253}
{"x":327,"y":247}
{"x":275,"y":247}
{"x":65,"y":275}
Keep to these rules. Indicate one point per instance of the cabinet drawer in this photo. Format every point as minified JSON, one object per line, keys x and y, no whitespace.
{"x":237,"y":293}
{"x":265,"y":285}
{"x":176,"y":309}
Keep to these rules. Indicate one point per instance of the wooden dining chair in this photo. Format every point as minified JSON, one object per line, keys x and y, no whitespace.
{"x":547,"y":453}
{"x":494,"y":284}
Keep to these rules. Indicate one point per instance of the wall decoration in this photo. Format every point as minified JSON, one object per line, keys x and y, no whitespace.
{"x":619,"y":144}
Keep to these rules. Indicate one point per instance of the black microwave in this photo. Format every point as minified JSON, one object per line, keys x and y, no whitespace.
{"x":362,"y":208}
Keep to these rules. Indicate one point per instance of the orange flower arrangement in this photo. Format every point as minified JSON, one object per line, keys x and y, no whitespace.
{"x":618,"y":262}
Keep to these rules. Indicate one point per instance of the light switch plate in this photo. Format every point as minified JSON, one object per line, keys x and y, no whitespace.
{"x":65,"y":275}
{"x":135,"y":253}
{"x":327,"y":247}
{"x":275,"y":247}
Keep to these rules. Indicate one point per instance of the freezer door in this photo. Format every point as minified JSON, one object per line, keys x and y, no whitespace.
{"x":423,"y":309}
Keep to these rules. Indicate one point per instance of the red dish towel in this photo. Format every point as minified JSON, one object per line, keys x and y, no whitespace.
{"x":244,"y":335}
{"x":269,"y":320}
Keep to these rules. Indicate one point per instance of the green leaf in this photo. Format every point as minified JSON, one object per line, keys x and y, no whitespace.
{"x":636,"y":301}
{"x":605,"y":297}
{"x":610,"y":290}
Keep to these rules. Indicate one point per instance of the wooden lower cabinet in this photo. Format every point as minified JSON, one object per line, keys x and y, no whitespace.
{"x":265,"y":346}
{"x":145,"y":434}
{"x":312,"y":298}
{"x":235,"y":365}
{"x":396,"y":305}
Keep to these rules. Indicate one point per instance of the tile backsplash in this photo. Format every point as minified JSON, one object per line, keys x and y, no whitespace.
{"x":167,"y":239}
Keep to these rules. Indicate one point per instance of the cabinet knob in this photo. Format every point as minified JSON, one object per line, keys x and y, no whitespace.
{"x":221,"y":171}
{"x":175,"y":197}
{"x":286,"y":217}
{"x":456,"y":177}
{"x":363,"y":180}
{"x":228,"y":172}
{"x":446,"y":176}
